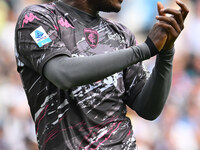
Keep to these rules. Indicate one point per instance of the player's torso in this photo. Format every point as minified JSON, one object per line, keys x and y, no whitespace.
{"x":103,"y":99}
{"x":90,"y":116}
{"x":100,"y":104}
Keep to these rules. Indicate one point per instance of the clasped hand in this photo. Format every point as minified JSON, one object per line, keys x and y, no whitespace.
{"x":165,"y":32}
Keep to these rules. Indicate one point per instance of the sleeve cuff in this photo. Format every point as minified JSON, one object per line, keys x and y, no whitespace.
{"x":152,"y":47}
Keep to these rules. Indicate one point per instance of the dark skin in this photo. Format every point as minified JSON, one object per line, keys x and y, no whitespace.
{"x":173,"y":24}
{"x":93,"y":7}
{"x":163,"y":34}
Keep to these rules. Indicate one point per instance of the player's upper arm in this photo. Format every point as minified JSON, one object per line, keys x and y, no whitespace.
{"x":55,"y":71}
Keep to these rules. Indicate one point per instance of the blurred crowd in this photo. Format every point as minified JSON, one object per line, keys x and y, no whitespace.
{"x":177,"y":128}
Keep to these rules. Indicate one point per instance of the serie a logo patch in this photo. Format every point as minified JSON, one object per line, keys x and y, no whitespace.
{"x":40,"y":36}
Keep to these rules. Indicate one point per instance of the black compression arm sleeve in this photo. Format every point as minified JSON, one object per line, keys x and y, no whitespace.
{"x":66,"y":72}
{"x":150,"y":101}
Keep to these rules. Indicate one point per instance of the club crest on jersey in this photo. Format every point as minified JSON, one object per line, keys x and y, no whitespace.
{"x":91,"y":37}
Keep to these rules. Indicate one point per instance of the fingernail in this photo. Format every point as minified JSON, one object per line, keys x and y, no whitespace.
{"x":157,"y":17}
{"x":179,"y":1}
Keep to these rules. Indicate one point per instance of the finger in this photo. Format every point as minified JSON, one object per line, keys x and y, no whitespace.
{"x":184,"y":9}
{"x":177,"y":15}
{"x":171,"y":21}
{"x":160,"y":7}
{"x":169,"y":29}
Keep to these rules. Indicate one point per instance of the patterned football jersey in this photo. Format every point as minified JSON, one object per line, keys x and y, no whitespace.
{"x":88,"y":117}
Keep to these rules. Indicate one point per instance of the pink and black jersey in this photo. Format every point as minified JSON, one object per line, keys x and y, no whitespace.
{"x":89,"y":117}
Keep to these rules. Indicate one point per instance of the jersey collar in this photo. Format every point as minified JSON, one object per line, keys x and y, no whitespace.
{"x":83,"y":17}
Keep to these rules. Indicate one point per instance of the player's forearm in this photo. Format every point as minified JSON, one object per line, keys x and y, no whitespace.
{"x":150,"y":101}
{"x":67,"y":72}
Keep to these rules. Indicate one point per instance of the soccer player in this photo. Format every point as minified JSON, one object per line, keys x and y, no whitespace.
{"x":80,"y":70}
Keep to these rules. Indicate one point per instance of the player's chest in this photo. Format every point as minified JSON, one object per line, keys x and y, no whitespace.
{"x":86,"y":41}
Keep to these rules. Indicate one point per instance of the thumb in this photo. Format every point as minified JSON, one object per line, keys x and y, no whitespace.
{"x":160,"y":7}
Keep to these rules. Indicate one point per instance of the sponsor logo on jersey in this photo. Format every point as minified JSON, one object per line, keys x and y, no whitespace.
{"x":40,"y":36}
{"x":65,"y":23}
{"x":91,"y":37}
{"x":29,"y":18}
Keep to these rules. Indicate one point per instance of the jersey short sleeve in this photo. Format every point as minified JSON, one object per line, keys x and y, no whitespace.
{"x":37,"y":38}
{"x":128,"y":35}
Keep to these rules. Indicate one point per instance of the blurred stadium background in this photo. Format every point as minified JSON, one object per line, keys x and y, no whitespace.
{"x":177,"y":128}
